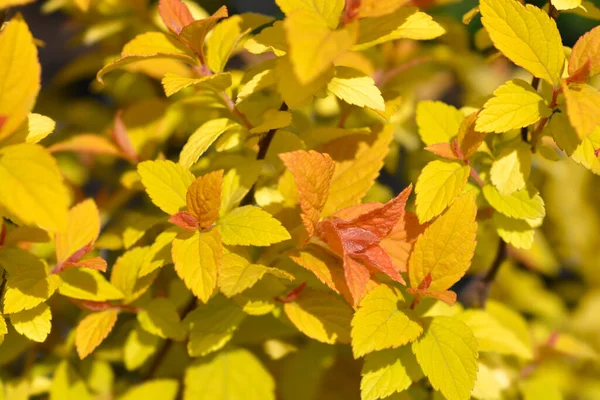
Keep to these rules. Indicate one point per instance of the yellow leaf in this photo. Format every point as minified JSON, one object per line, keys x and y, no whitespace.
{"x":87,"y":284}
{"x":92,"y":330}
{"x":387,"y":372}
{"x":493,"y":336}
{"x":356,"y":88}
{"x":487,"y":385}
{"x":273,"y":119}
{"x":447,"y":353}
{"x":586,"y":49}
{"x":163,"y":389}
{"x":517,"y":232}
{"x":231,"y":374}
{"x":228,"y":36}
{"x":237,"y":183}
{"x":358,"y":159}
{"x":438,"y":186}
{"x":194,"y":34}
{"x":382,"y":321}
{"x":257,"y":83}
{"x":251,"y":226}
{"x":11,"y":3}
{"x":67,"y":383}
{"x":160,"y":318}
{"x":378,"y":8}
{"x":139,"y":347}
{"x":197,"y":257}
{"x":526,"y":35}
{"x":125,"y":274}
{"x":35,"y":128}
{"x":83,"y":228}
{"x":515,"y":104}
{"x":525,"y":203}
{"x":204,"y":198}
{"x":173,"y":83}
{"x":150,"y":45}
{"x":404,"y":23}
{"x":20,"y":76}
{"x":438,"y":122}
{"x":3,"y":329}
{"x":271,"y":38}
{"x":32,"y":187}
{"x":166,"y":183}
{"x":566,"y":4}
{"x":585,"y":154}
{"x":294,"y":92}
{"x":329,"y":10}
{"x":314,"y":46}
{"x":312,"y":173}
{"x":510,"y":170}
{"x":238,"y":274}
{"x":28,"y":283}
{"x":583,"y":108}
{"x":445,"y":249}
{"x":212,"y":325}
{"x":202,"y":138}
{"x":321,"y":316}
{"x":35,"y":323}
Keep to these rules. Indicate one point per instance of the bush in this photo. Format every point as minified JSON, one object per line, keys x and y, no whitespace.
{"x":225,"y":236}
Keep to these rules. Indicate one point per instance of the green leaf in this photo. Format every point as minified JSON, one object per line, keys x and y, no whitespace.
{"x":251,"y":226}
{"x":160,"y":318}
{"x":387,"y":372}
{"x":438,"y":186}
{"x":166,"y":183}
{"x":212,"y":325}
{"x":233,"y":374}
{"x":447,"y":353}
{"x":321,"y":316}
{"x":125,"y":273}
{"x":382,"y":321}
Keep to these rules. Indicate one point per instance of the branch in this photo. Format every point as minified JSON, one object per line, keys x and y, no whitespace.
{"x":477,"y":291}
{"x":263,"y":148}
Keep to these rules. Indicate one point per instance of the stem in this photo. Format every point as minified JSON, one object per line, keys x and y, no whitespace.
{"x":164,"y":350}
{"x":383,"y":78}
{"x":500,"y":257}
{"x":263,"y":148}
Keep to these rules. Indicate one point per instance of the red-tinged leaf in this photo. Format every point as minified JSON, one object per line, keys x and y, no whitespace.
{"x":447,"y":296}
{"x":2,"y":232}
{"x":399,"y":243}
{"x":184,"y":220}
{"x":87,"y":143}
{"x":352,"y":212}
{"x":312,"y":173}
{"x":73,"y":258}
{"x":92,"y":305}
{"x":97,"y":263}
{"x":121,"y":138}
{"x":3,"y":119}
{"x":468,"y":140}
{"x":292,"y":294}
{"x":351,"y":11}
{"x":380,"y":221}
{"x":586,"y":50}
{"x":443,"y":150}
{"x":204,"y":198}
{"x":175,"y":15}
{"x":357,"y":277}
{"x":597,"y":152}
{"x":582,"y":74}
{"x":378,"y":258}
{"x":195,"y":33}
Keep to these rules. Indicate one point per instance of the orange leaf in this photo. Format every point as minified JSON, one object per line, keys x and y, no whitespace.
{"x":587,"y":49}
{"x":357,"y":277}
{"x":87,"y":143}
{"x":204,"y":198}
{"x":312,"y":173}
{"x":443,"y":150}
{"x":83,"y":228}
{"x":97,"y":263}
{"x":122,"y":139}
{"x":195,"y":33}
{"x":399,"y":243}
{"x":175,"y":15}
